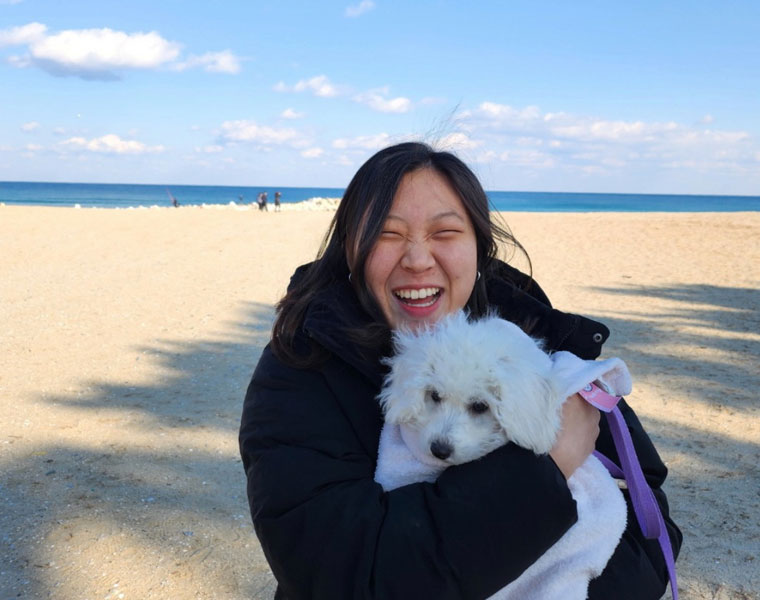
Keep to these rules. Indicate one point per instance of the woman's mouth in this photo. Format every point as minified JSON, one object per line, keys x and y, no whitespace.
{"x":418,"y":298}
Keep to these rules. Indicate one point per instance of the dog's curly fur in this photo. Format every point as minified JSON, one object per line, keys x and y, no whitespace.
{"x":467,"y":387}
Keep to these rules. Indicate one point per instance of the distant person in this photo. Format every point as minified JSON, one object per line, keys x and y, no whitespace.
{"x":277,"y":196}
{"x":240,"y":198}
{"x":264,"y":201}
{"x":260,"y":200}
{"x":172,"y":199}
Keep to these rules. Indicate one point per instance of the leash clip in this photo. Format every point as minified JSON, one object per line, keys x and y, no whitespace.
{"x":597,"y":397}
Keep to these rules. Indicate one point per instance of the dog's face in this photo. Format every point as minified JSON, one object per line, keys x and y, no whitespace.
{"x":460,"y":390}
{"x":454,"y":424}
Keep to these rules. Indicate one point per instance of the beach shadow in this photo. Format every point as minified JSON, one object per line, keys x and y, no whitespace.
{"x":716,"y":509}
{"x":212,"y":369}
{"x":694,"y":339}
{"x":708,"y":324}
{"x":169,"y":486}
{"x":172,"y":488}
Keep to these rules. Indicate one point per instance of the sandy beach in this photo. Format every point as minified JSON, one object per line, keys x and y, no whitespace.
{"x":127,"y":339}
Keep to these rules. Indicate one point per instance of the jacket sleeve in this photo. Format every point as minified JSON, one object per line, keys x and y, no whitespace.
{"x":637,"y":569}
{"x":329,"y":531}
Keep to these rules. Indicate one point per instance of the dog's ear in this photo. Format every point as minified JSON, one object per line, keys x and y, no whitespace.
{"x":402,"y":396}
{"x":529,"y":410}
{"x":400,"y":402}
{"x":529,"y":399}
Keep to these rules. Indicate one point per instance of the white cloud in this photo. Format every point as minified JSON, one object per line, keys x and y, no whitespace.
{"x":213,"y":62}
{"x":20,"y":36}
{"x":250,"y":131}
{"x":110,"y":144}
{"x":590,"y":129}
{"x":291,"y":114}
{"x":457,"y":141}
{"x":376,"y":100}
{"x":100,"y":54}
{"x":529,"y":141}
{"x":312,"y":152}
{"x":96,"y":53}
{"x":527,"y":158}
{"x":30,"y":126}
{"x":529,"y":138}
{"x":504,"y":111}
{"x":356,"y":10}
{"x":33,"y":147}
{"x":363,"y":142}
{"x":211,"y":149}
{"x":319,"y":85}
{"x":504,"y":116}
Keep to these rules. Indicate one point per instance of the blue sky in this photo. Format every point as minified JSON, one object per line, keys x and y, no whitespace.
{"x":644,"y":97}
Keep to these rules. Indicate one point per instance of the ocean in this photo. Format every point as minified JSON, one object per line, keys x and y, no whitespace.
{"x":102,"y":195}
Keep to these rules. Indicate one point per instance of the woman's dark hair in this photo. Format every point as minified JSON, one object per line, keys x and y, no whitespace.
{"x":356,"y":227}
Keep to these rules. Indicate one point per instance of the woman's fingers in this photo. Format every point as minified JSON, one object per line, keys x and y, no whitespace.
{"x":577,"y":436}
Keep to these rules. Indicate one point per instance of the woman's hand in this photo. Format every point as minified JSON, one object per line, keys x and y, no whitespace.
{"x":577,"y":436}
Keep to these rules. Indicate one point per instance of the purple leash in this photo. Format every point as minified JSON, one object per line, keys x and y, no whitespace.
{"x":645,"y":506}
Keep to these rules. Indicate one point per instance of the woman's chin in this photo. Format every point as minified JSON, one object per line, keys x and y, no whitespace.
{"x":411,"y":316}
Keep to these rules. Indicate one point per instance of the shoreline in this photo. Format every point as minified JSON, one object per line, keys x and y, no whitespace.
{"x":316,"y":203}
{"x":331,"y":204}
{"x":129,"y":338}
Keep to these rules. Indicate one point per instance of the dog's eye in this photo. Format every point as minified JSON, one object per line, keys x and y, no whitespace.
{"x":478,"y":408}
{"x":435,"y":396}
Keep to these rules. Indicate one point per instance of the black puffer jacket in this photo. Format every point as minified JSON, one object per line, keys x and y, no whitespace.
{"x":309,"y":442}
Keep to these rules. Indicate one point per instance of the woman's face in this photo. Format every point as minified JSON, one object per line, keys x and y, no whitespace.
{"x":424,"y":264}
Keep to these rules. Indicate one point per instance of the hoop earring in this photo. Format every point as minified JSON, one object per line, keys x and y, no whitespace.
{"x":349,"y":276}
{"x":476,"y":279}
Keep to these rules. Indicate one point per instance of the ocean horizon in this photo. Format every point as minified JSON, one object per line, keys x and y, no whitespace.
{"x":111,"y":195}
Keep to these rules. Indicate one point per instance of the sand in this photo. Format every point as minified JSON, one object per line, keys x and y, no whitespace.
{"x":127,"y":339}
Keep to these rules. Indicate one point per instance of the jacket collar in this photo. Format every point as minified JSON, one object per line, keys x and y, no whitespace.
{"x":336,"y":310}
{"x":331,"y":316}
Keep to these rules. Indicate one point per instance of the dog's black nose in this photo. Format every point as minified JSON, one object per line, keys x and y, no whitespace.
{"x":440,"y":449}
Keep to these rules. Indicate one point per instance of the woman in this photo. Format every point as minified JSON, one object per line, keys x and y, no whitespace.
{"x":412,"y":241}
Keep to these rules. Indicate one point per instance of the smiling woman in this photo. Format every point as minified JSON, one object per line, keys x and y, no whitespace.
{"x":411,"y":242}
{"x":424,"y":264}
{"x":406,"y":208}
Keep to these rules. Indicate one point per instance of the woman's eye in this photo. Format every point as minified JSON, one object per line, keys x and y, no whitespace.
{"x":446,"y":233}
{"x":478,"y":408}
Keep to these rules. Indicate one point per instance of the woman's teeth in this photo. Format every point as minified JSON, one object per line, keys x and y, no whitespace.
{"x":419,"y":294}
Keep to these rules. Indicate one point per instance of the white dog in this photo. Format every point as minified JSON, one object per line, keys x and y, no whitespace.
{"x":460,"y":389}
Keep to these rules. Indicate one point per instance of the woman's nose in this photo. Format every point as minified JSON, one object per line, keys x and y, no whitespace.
{"x":417,"y":257}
